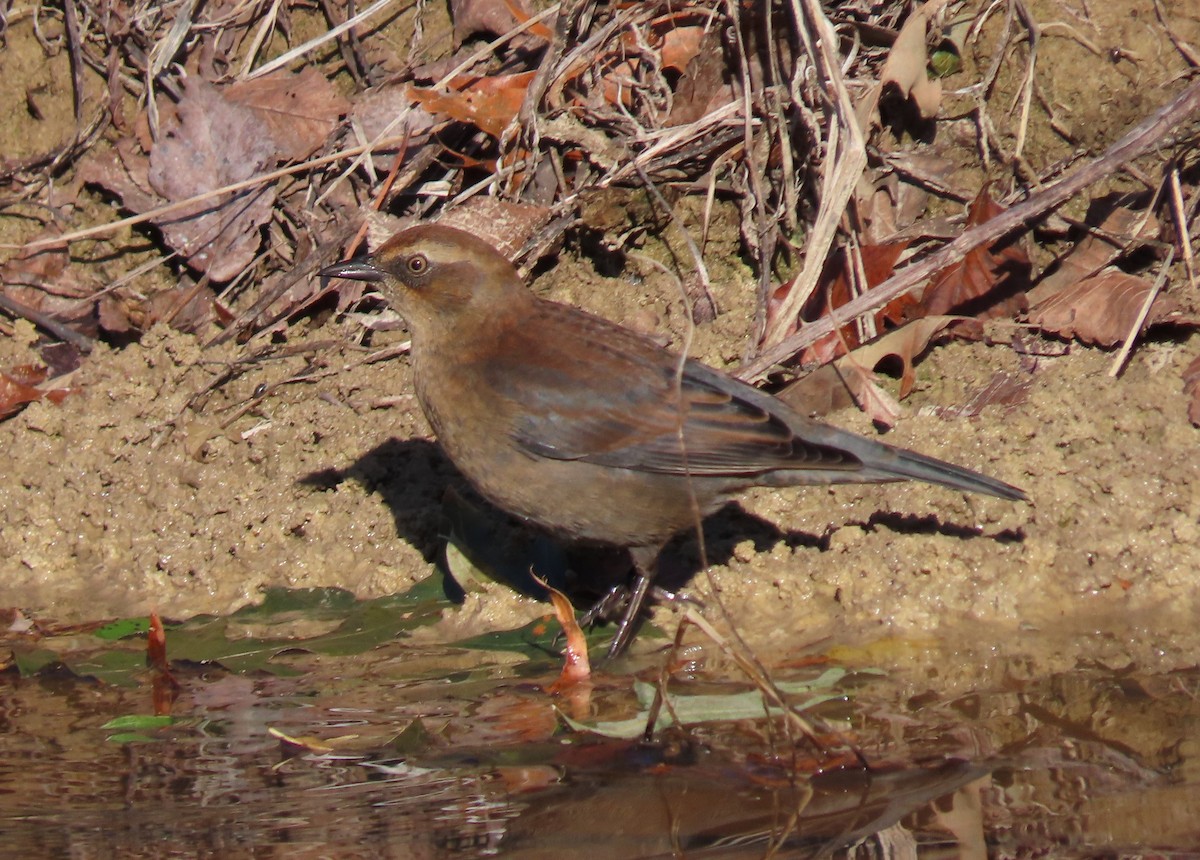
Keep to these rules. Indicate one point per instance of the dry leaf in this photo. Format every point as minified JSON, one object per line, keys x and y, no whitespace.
{"x":833,"y":291}
{"x":880,"y":407}
{"x":704,"y":86}
{"x":375,"y":110}
{"x":989,"y":282}
{"x":906,"y":62}
{"x":17,"y":389}
{"x":1100,"y":310}
{"x":680,"y":45}
{"x":211,"y":142}
{"x":298,"y":112}
{"x":488,"y":103}
{"x":832,"y":387}
{"x":504,"y":224}
{"x":493,"y":17}
{"x":1096,"y":250}
{"x":214,"y":143}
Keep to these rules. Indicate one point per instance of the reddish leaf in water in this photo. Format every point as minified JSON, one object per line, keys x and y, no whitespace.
{"x":163,"y":687}
{"x":488,"y":103}
{"x":989,"y":282}
{"x":1100,"y":310}
{"x":576,"y":666}
{"x":156,"y":644}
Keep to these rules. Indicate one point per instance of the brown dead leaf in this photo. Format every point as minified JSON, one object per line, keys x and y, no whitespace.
{"x":680,"y":45}
{"x":41,"y":279}
{"x":906,"y":62}
{"x":504,"y":224}
{"x":878,"y":263}
{"x":493,"y":17}
{"x":298,"y":111}
{"x":18,"y":389}
{"x":60,"y":357}
{"x":705,"y":85}
{"x":1191,"y":388}
{"x":849,"y":378}
{"x":215,"y":142}
{"x":904,"y":344}
{"x":488,"y":103}
{"x":208,"y":142}
{"x":122,"y":171}
{"x":880,"y":407}
{"x":989,"y":282}
{"x":375,"y":109}
{"x":1097,"y":250}
{"x":185,"y":307}
{"x":37,"y":266}
{"x":1100,"y":310}
{"x":43,"y":299}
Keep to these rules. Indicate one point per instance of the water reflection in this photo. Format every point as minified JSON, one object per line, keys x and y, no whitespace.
{"x":1081,"y":763}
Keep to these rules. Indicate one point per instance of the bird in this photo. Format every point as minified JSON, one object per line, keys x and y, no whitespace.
{"x":592,"y":431}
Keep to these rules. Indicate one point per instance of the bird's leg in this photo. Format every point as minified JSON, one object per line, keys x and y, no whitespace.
{"x":645,"y":561}
{"x":607,"y":607}
{"x":612,"y":604}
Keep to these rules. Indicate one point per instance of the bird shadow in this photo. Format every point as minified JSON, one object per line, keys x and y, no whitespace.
{"x":432,"y":504}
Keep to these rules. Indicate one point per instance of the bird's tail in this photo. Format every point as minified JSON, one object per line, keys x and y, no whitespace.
{"x":910,"y":464}
{"x":880,"y":462}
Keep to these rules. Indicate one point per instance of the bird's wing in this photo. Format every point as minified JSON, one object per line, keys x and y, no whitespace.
{"x":627,"y":405}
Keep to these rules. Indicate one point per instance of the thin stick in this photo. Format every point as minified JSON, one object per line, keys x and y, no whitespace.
{"x":1139,"y":140}
{"x":44,"y":321}
{"x":316,"y":42}
{"x":1183,"y":218}
{"x":113,"y":226}
{"x":1136,"y":328}
{"x":845,"y":161}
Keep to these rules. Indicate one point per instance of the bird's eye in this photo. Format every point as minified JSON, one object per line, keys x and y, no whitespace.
{"x":418,"y":264}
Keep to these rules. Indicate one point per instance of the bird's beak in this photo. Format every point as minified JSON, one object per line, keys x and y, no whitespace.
{"x":358,"y":269}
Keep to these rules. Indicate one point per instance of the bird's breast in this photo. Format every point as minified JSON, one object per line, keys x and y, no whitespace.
{"x":475,"y":426}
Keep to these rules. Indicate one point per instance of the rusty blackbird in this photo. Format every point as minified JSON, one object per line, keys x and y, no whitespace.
{"x":591,"y":430}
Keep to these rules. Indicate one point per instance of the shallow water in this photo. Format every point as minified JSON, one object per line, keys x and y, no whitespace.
{"x":452,"y":753}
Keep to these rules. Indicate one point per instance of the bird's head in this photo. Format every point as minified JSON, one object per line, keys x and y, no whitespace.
{"x":438,"y":278}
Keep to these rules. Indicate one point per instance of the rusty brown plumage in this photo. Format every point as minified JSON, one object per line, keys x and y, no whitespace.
{"x":591,"y":430}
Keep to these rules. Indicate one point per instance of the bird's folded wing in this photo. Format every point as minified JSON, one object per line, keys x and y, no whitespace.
{"x":630,"y":408}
